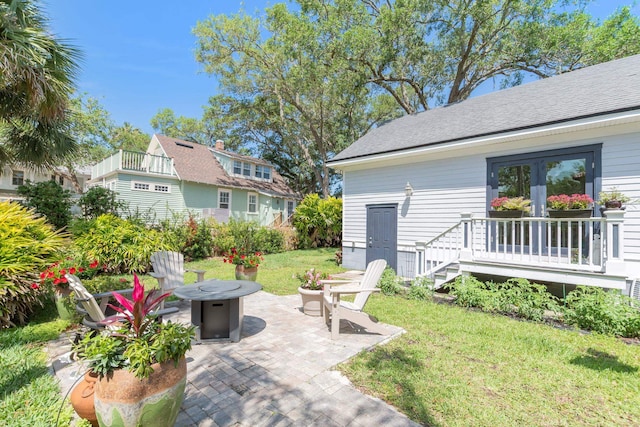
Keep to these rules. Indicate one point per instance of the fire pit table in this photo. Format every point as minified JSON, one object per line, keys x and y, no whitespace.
{"x":217,"y":307}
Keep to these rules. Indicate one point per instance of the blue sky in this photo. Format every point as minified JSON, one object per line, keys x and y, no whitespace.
{"x":139,"y":54}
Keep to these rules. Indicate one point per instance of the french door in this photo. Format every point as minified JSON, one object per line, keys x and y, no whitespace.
{"x":536,"y":176}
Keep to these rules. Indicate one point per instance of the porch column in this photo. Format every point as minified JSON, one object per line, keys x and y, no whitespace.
{"x":614,"y":241}
{"x":466,"y":252}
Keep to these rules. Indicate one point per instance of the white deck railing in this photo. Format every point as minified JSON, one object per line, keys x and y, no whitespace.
{"x":572,"y":244}
{"x":134,"y":161}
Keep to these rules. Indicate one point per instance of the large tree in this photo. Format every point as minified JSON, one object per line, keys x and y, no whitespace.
{"x":303,"y":83}
{"x":36,"y":79}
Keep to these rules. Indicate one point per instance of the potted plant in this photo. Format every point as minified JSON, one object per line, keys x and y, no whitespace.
{"x":509,"y":207}
{"x":310,"y":291}
{"x":612,"y":199}
{"x":573,"y":206}
{"x":136,"y":357}
{"x":246,"y":263}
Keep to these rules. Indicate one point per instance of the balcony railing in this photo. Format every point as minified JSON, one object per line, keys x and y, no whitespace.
{"x":134,"y":161}
{"x":572,"y":244}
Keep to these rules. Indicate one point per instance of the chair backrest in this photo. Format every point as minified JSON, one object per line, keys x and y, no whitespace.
{"x":85,"y":298}
{"x":370,"y":280}
{"x":171,"y":266}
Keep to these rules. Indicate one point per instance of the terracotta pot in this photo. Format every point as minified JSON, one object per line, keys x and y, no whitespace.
{"x":122,"y":400}
{"x":82,"y":398}
{"x":311,"y":301}
{"x":246,"y":273}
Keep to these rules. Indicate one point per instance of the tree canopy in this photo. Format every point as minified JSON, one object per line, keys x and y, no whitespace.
{"x":37,"y":71}
{"x":301,"y":83}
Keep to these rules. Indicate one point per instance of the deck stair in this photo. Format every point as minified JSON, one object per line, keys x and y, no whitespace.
{"x":446,"y":275}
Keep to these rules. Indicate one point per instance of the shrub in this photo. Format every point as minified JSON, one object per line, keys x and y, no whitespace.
{"x":318,"y":222}
{"x":121,"y":245}
{"x":27,"y":245}
{"x":48,"y":198}
{"x":249,"y":236}
{"x":516,"y":297}
{"x":612,"y":313}
{"x":421,"y":289}
{"x":389,"y":283}
{"x":100,"y":201}
{"x":193,"y":238}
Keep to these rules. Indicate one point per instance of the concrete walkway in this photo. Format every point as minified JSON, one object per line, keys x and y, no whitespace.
{"x":279,"y":374}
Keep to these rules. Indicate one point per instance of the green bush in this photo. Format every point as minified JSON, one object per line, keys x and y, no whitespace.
{"x":421,"y":289}
{"x":100,"y":201}
{"x":193,"y":238}
{"x":48,"y":198}
{"x":517,"y":297}
{"x":247,"y":235}
{"x":121,"y":245}
{"x":27,"y":245}
{"x":389,"y":283}
{"x":606,"y":312}
{"x":318,"y":222}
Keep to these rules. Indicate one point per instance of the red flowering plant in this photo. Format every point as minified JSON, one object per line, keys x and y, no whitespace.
{"x":511,"y":204}
{"x":135,"y":340}
{"x":53,"y":276}
{"x":565,"y":202}
{"x":244,"y":258}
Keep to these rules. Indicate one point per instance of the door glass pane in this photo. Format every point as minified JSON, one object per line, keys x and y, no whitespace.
{"x":566,"y":177}
{"x":514,"y":181}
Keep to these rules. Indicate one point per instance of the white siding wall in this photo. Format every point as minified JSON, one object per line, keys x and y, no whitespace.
{"x":448,"y":183}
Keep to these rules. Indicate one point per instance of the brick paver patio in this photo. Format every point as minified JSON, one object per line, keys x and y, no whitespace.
{"x":279,"y":374}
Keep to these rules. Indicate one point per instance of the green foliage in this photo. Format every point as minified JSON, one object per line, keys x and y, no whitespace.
{"x":27,"y":245}
{"x":100,"y":201}
{"x":606,"y":312}
{"x":248,"y":236}
{"x":517,"y":297}
{"x":318,"y":222}
{"x":389,"y":283}
{"x":421,"y":289}
{"x":48,"y":198}
{"x":194,"y":238}
{"x":121,"y":245}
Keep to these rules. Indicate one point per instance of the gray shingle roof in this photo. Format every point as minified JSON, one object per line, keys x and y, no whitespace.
{"x":592,"y":91}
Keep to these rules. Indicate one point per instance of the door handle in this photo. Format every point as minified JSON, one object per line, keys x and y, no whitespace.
{"x":370,"y":241}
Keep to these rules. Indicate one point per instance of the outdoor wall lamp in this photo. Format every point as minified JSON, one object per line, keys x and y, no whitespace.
{"x":408,"y":190}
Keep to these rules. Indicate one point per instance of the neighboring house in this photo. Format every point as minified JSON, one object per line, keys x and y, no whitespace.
{"x":417,"y":190}
{"x":14,"y":176}
{"x":176,"y":176}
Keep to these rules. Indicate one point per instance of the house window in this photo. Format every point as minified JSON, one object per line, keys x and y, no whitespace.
{"x":17,"y":178}
{"x":258,"y":171}
{"x":266,"y":172}
{"x":253,"y":203}
{"x":61,"y":180}
{"x":140,"y":186}
{"x":246,"y":169}
{"x":161,"y":188}
{"x":237,"y":167}
{"x":290,"y":208}
{"x":224,"y":199}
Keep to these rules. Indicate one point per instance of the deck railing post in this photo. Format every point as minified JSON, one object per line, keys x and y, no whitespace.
{"x":614,"y":241}
{"x":420,"y":257}
{"x":466,"y":253}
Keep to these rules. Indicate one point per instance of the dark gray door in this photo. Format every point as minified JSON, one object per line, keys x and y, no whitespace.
{"x":382,"y":233}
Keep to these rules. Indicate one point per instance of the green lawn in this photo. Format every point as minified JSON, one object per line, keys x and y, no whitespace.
{"x":456,"y":367}
{"x":453,"y":367}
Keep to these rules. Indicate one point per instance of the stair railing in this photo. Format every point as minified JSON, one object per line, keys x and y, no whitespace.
{"x":439,"y":252}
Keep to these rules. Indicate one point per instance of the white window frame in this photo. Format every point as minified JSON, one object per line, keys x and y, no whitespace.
{"x":14,"y":178}
{"x":258,"y":170}
{"x":239,"y":164}
{"x":293,"y":205}
{"x":266,"y":173}
{"x":246,"y":169}
{"x":155,"y":188}
{"x":220,"y":192}
{"x":134,"y":183}
{"x":249,"y":195}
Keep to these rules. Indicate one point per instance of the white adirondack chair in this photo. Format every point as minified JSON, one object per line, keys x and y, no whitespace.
{"x":335,"y":309}
{"x":168,"y":269}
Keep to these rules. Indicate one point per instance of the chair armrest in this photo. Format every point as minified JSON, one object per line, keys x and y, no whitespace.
{"x":200,"y":274}
{"x":338,"y":281}
{"x":157,"y":275}
{"x":110,"y":293}
{"x":347,"y":291}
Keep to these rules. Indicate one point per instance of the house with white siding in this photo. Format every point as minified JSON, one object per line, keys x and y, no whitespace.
{"x":13,"y":176}
{"x":177,"y":176}
{"x":417,"y":190}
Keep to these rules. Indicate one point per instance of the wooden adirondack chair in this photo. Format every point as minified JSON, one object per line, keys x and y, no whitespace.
{"x":168,"y":269}
{"x":93,"y":312}
{"x":335,"y":309}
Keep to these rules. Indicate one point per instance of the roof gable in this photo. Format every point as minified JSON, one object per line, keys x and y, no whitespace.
{"x":592,"y":91}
